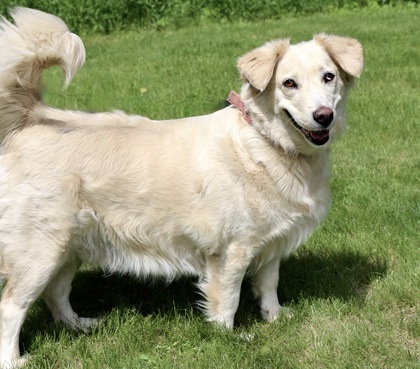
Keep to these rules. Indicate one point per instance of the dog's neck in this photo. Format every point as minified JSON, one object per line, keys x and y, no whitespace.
{"x":236,"y":101}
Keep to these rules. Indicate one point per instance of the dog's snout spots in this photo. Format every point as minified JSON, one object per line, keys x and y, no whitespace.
{"x":323,"y":116}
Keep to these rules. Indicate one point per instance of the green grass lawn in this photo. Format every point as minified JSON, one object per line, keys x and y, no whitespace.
{"x":353,"y":288}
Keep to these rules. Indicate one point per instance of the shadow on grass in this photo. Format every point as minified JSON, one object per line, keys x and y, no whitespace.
{"x":309,"y":275}
{"x":305,"y":275}
{"x":343,"y":275}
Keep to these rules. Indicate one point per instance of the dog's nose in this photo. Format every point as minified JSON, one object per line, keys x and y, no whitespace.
{"x":323,"y":116}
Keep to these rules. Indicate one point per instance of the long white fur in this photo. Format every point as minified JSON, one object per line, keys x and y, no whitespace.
{"x":210,"y":196}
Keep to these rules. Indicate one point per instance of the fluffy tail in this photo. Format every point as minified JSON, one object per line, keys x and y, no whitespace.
{"x":33,"y":43}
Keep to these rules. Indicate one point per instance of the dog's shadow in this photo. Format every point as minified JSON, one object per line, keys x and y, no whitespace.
{"x":304,"y":276}
{"x":341,"y":275}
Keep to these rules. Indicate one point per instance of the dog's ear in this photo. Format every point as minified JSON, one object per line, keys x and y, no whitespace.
{"x":346,"y":53}
{"x":257,"y":66}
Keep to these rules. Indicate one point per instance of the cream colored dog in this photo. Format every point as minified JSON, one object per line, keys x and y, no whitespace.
{"x":214,"y":196}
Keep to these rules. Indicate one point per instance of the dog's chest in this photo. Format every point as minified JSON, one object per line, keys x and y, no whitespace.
{"x":295,"y":204}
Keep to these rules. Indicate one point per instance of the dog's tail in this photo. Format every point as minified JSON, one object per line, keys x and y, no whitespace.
{"x":33,"y":43}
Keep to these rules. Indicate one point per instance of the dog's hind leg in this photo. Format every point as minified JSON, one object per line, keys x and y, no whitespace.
{"x":34,"y":237}
{"x":12,"y":315}
{"x":56,"y":295}
{"x":25,"y":283}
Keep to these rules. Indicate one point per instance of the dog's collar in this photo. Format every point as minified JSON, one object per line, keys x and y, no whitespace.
{"x":236,"y":101}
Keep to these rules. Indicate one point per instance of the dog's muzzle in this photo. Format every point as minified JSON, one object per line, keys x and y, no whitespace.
{"x":324,"y":117}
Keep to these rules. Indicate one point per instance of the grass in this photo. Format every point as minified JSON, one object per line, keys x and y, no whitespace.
{"x":353,"y":287}
{"x":116,"y":15}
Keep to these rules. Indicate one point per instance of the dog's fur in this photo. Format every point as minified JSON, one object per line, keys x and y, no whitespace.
{"x":209,"y":196}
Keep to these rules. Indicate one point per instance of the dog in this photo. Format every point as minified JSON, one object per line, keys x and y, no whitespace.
{"x":215,"y":196}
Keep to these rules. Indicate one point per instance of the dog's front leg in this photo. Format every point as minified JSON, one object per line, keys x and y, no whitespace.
{"x":265,"y":283}
{"x":222,"y":284}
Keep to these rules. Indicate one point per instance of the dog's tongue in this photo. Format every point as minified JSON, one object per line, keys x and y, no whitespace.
{"x":319,"y":135}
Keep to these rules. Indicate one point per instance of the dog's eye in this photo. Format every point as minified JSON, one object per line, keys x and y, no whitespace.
{"x":328,"y":77}
{"x":289,"y":83}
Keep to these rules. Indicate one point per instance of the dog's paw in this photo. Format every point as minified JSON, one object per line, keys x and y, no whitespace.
{"x":84,"y":325}
{"x":270,"y":313}
{"x":15,"y":363}
{"x":273,"y":313}
{"x":221,"y":322}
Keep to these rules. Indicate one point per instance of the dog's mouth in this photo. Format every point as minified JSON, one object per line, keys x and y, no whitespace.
{"x":318,"y":138}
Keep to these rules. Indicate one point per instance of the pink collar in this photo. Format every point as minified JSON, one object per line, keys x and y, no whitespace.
{"x":236,"y":101}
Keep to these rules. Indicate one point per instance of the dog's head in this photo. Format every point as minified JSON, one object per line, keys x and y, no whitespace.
{"x":296,"y":93}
